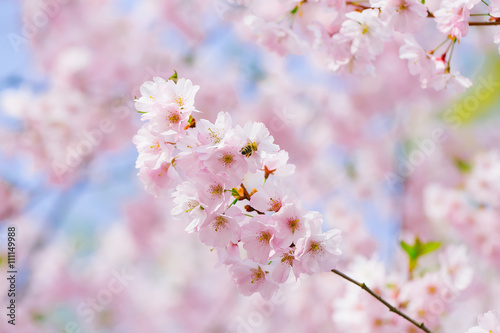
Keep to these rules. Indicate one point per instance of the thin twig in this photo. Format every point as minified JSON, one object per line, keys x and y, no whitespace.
{"x":381,"y":300}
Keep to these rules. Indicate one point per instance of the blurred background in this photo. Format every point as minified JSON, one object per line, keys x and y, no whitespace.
{"x":95,"y":253}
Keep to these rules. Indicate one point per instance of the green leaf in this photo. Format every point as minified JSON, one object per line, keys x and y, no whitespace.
{"x":462,"y":165}
{"x":410,"y":250}
{"x":418,"y":250}
{"x":173,"y":77}
{"x":233,"y":203}
{"x":141,"y":112}
{"x":234,"y":193}
{"x":429,"y":247}
{"x":38,"y":317}
{"x":295,"y":10}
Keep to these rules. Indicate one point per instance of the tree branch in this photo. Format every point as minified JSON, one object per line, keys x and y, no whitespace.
{"x":380,"y":299}
{"x":484,"y":23}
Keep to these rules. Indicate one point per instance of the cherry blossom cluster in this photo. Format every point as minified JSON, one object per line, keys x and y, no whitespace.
{"x":472,"y":210}
{"x":230,"y":188}
{"x":350,"y":35}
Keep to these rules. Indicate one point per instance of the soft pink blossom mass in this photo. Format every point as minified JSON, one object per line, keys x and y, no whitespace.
{"x":250,"y":166}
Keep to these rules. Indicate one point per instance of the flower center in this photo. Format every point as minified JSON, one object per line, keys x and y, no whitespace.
{"x":173,"y":118}
{"x":274,"y":204}
{"x":178,"y":100}
{"x":216,"y":190}
{"x":192,"y":204}
{"x":288,"y":259}
{"x":164,"y":168}
{"x":220,"y":223}
{"x":227,"y":159}
{"x":258,"y":275}
{"x":156,"y":144}
{"x":265,"y":237}
{"x":214,"y":137}
{"x":316,"y":247}
{"x":365,"y":29}
{"x":293,"y":223}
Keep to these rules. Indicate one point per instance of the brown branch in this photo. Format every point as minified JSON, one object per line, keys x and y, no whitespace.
{"x":484,"y":23}
{"x":381,"y":300}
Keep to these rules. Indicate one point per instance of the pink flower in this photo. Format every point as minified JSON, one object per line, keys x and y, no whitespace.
{"x":159,"y":179}
{"x":160,"y":93}
{"x":152,"y":148}
{"x":255,"y":144}
{"x":214,"y":134}
{"x":256,"y":237}
{"x":277,"y":165}
{"x":153,"y":95}
{"x":251,"y":277}
{"x":366,"y":30}
{"x":453,"y":18}
{"x":187,"y":206}
{"x":487,"y":323}
{"x":452,"y":80}
{"x":170,"y":121}
{"x":182,"y":93}
{"x":318,"y":251}
{"x":283,"y":263}
{"x":214,"y":191}
{"x":403,"y":15}
{"x":291,"y":223}
{"x":419,"y":61}
{"x":270,"y":197}
{"x":228,"y":160}
{"x":219,"y":229}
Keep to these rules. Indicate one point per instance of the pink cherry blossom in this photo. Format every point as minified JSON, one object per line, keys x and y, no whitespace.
{"x":256,"y":237}
{"x":403,"y":15}
{"x":419,"y":61}
{"x":291,"y":223}
{"x":220,"y":229}
{"x":251,"y":277}
{"x":366,"y":30}
{"x":270,"y":197}
{"x":318,"y":251}
{"x":227,"y":160}
{"x":187,"y":207}
{"x":453,"y":19}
